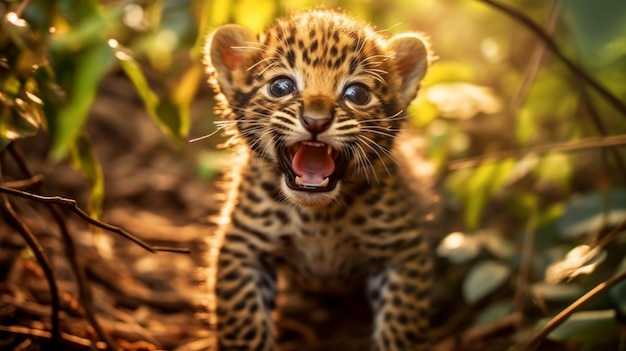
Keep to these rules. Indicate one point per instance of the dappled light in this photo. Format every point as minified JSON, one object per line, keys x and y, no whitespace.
{"x":108,"y":211}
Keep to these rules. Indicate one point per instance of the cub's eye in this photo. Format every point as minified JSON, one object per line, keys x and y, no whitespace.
{"x":357,"y":94}
{"x":281,"y":86}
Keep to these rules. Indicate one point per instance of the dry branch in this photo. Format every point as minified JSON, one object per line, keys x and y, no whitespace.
{"x":580,"y":145}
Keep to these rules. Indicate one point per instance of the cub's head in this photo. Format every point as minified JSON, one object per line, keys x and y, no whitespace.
{"x":319,"y":95}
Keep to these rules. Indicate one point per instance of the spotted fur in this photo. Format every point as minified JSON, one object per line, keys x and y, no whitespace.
{"x":315,"y":81}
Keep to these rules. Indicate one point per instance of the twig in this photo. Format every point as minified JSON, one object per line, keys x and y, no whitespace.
{"x":73,"y":205}
{"x":583,"y":144}
{"x":550,"y":44}
{"x":40,"y":255}
{"x":25,"y":183}
{"x":75,"y":341}
{"x":540,"y":335}
{"x":597,"y":120}
{"x":20,"y":9}
{"x":536,"y":58}
{"x":85,"y":294}
{"x":525,"y":265}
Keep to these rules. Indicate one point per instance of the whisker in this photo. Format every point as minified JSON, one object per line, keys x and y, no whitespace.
{"x":390,"y":135}
{"x":395,"y":117}
{"x":373,"y":146}
{"x":365,"y":163}
{"x":380,"y":147}
{"x":219,"y":129}
{"x":260,"y":62}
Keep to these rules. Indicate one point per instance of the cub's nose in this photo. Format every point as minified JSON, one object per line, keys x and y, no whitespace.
{"x":315,"y":125}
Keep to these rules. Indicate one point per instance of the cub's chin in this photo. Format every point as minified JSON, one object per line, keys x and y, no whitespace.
{"x":305,"y":198}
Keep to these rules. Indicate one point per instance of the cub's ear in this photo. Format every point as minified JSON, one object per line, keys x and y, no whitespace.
{"x":226,"y":52}
{"x":411,"y":58}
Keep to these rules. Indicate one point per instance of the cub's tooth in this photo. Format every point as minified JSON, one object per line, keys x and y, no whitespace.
{"x":299,"y":181}
{"x":329,"y":149}
{"x":324,"y":182}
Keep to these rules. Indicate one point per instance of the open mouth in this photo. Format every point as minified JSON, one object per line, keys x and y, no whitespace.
{"x":312,"y":166}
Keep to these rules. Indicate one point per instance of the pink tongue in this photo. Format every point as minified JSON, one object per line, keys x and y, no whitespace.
{"x":312,"y":164}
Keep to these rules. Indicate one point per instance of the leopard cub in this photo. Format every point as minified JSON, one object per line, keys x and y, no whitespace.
{"x":321,"y":187}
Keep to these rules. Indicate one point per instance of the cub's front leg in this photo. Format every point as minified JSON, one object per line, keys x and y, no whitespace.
{"x":244,"y":295}
{"x":400,"y":297}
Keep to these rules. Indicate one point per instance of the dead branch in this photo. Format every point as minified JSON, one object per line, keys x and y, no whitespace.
{"x":73,"y":205}
{"x":580,"y":145}
{"x":39,"y":253}
{"x":86,"y":296}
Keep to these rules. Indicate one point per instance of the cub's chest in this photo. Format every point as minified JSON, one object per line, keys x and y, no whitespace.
{"x":326,"y":249}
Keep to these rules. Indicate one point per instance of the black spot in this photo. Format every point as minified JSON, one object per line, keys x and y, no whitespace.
{"x":249,"y":79}
{"x":338,"y":63}
{"x":413,"y":337}
{"x":250,"y":195}
{"x":402,"y":319}
{"x":226,"y":295}
{"x":232,"y":275}
{"x":301,"y":44}
{"x":388,"y":316}
{"x":341,"y":212}
{"x":270,"y":189}
{"x":333,"y":51}
{"x":305,"y":58}
{"x":353,"y":65}
{"x":249,"y":335}
{"x":261,"y":236}
{"x":409,"y":289}
{"x":386,"y":342}
{"x":304,"y":217}
{"x":375,"y":213}
{"x":223,"y":263}
{"x":396,"y":302}
{"x":400,"y":344}
{"x":241,"y":304}
{"x":314,"y":45}
{"x":391,"y":202}
{"x":291,"y":58}
{"x":358,"y":219}
{"x":373,"y":198}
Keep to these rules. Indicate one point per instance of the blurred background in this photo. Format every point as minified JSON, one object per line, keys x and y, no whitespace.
{"x":523,"y":114}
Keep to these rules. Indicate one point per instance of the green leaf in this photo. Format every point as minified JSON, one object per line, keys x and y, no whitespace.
{"x":459,"y":247}
{"x":91,"y":66}
{"x":555,"y":169}
{"x":183,"y":94}
{"x":557,"y":292}
{"x":488,"y":178}
{"x":596,"y":25}
{"x":593,"y":211}
{"x":131,"y":67}
{"x":484,"y":278}
{"x":170,"y":117}
{"x":84,"y":159}
{"x":494,"y":313}
{"x":92,"y":27}
{"x":585,"y":326}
